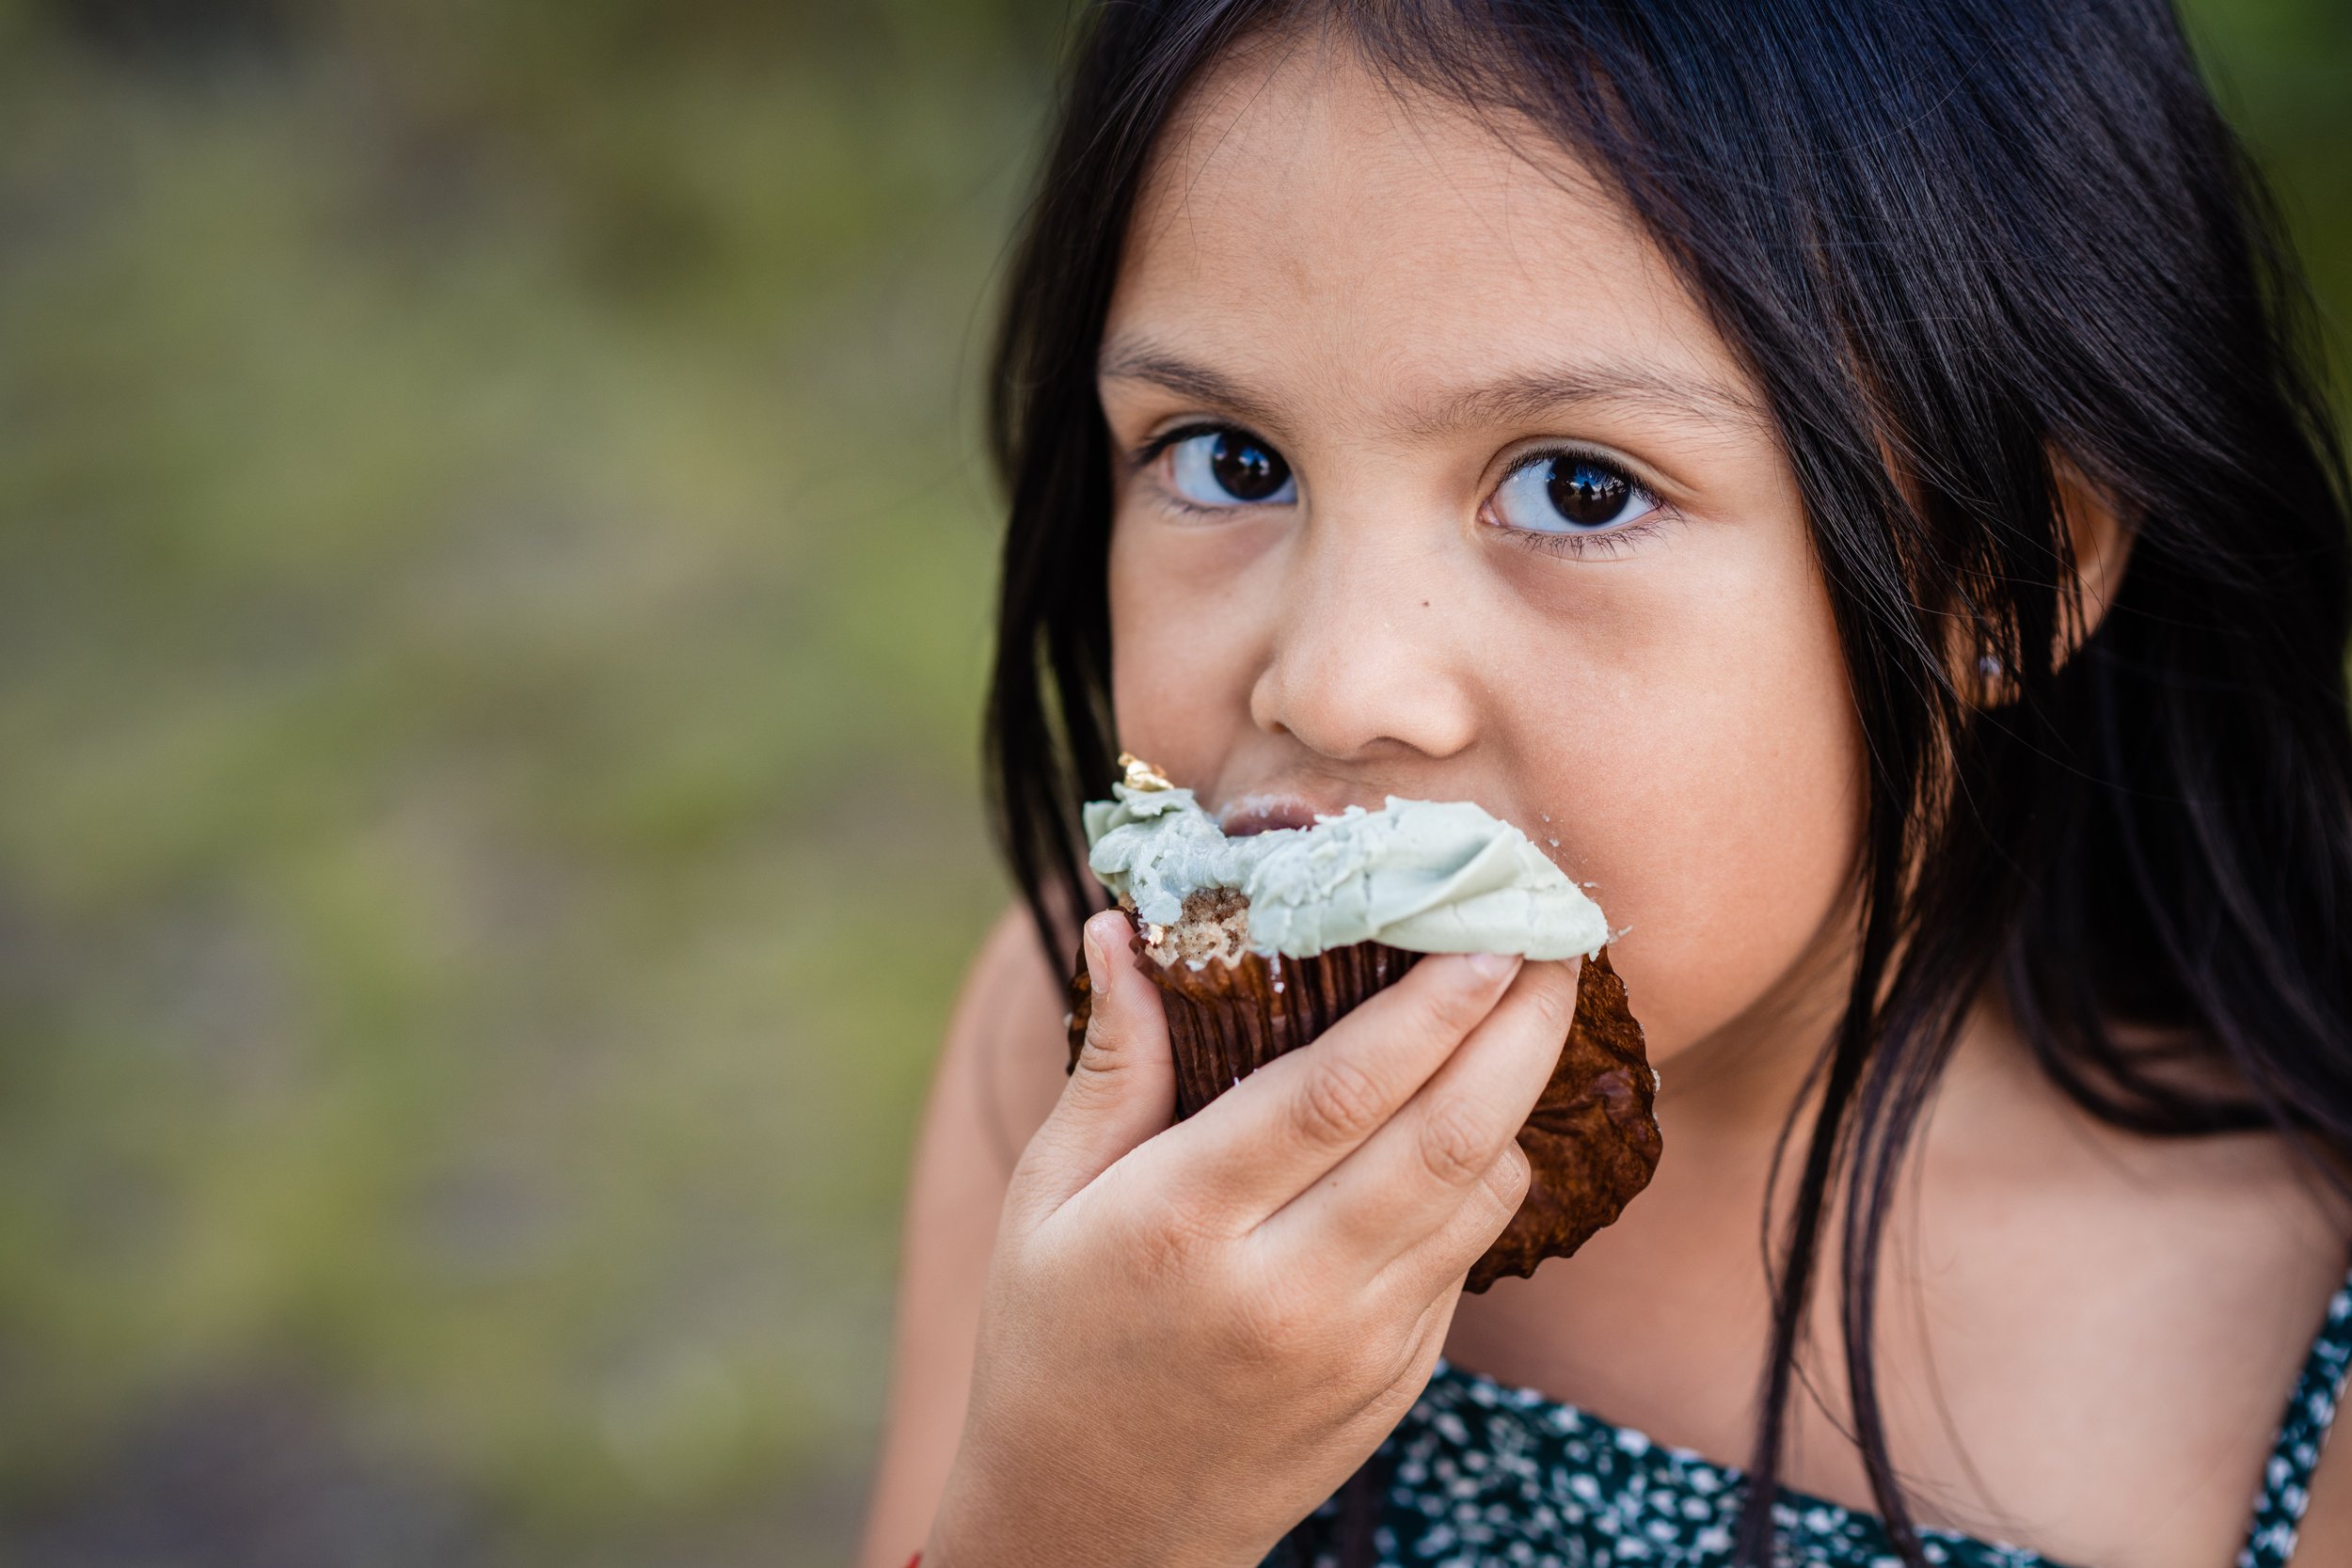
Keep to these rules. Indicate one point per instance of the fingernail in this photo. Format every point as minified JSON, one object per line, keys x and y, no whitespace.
{"x":1098,"y":970}
{"x":1492,"y":966}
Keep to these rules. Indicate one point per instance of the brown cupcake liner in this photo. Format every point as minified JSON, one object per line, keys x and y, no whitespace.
{"x":1592,"y":1140}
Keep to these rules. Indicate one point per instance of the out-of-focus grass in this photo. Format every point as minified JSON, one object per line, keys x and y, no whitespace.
{"x":492,"y":594}
{"x":493,"y":582}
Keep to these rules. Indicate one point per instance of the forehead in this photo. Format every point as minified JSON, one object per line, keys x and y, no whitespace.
{"x":1308,"y":222}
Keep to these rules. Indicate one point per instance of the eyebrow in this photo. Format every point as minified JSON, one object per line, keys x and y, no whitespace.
{"x":1510,"y":400}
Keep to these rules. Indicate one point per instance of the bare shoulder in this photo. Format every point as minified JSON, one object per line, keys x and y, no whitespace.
{"x":2252,"y":1248}
{"x":2170,"y":1286}
{"x":2327,"y":1536}
{"x":2327,"y":1532}
{"x":2247,"y":1244}
{"x":1007,"y":1035}
{"x":999,"y":1073}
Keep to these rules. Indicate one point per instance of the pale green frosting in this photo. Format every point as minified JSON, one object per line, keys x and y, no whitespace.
{"x":1427,"y":876}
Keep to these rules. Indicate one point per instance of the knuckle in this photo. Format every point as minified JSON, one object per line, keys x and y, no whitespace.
{"x":1452,"y":1009}
{"x":1507,"y":1180}
{"x":1454,"y":1006}
{"x":1103,"y":1061}
{"x":1555,"y":997}
{"x":1096,"y":1082}
{"x":1454,"y":1147}
{"x":1105,"y":1041}
{"x":1337,"y":1102}
{"x":1170,"y":1248}
{"x":1272,"y":1324}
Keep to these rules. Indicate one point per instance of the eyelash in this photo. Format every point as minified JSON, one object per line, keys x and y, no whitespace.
{"x":1168,"y":438}
{"x":1583,"y":547}
{"x":1150,"y":452}
{"x":1558,"y":546}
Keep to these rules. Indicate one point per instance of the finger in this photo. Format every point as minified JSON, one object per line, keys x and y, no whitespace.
{"x":1440,"y":1259}
{"x":1123,"y":1088}
{"x":1436,"y":1153}
{"x":1411,"y":1358}
{"x":1259,"y":1145}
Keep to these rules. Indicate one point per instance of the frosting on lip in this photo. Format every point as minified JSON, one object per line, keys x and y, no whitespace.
{"x":1426,"y":876}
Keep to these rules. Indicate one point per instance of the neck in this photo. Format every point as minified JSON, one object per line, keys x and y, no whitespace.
{"x":1729,"y":1096}
{"x":1733,"y":1089}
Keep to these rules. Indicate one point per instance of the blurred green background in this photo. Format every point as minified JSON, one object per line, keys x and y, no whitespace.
{"x":494,"y":571}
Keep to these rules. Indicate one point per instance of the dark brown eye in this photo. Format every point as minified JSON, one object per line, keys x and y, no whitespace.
{"x":1587,"y":494}
{"x":1565,"y":493}
{"x":1229,"y":467}
{"x":1247,"y":470}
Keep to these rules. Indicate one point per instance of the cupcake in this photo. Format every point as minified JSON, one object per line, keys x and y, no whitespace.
{"x":1262,"y":943}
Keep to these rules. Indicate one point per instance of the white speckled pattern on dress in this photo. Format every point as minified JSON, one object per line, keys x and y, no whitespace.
{"x":1480,"y":1474}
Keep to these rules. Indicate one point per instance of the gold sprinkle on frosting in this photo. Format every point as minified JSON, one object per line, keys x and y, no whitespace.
{"x":1141,"y":775}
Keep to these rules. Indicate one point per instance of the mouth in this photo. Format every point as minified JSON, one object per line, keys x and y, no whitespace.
{"x":1269,"y":811}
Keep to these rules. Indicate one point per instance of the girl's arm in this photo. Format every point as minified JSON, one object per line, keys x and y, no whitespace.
{"x":998,"y":1076}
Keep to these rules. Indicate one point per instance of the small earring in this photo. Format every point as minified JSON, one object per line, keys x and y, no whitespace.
{"x":1992,"y":688}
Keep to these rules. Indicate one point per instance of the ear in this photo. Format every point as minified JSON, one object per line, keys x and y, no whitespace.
{"x":2101,"y":545}
{"x":2100,"y":542}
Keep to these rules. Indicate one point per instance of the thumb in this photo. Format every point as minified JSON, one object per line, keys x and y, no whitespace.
{"x":1123,"y":1088}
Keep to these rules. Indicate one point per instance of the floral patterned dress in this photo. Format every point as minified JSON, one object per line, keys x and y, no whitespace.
{"x":1479,"y":1474}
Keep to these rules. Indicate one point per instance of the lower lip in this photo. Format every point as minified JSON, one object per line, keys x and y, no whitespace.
{"x":1263,"y":814}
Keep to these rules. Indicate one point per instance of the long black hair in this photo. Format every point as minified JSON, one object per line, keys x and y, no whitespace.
{"x":1981,"y":257}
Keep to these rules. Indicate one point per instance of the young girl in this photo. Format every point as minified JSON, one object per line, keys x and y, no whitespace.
{"x":1842,"y":473}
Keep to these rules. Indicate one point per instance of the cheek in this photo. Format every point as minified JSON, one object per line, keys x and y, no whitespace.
{"x":1713,"y":789}
{"x":1191,"y":624}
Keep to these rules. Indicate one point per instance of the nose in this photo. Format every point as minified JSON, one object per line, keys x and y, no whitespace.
{"x":1369,"y":658}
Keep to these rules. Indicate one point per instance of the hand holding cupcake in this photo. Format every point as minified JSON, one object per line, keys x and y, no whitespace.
{"x":1262,"y":943}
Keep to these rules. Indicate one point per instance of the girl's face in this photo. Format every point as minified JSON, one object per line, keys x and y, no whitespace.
{"x":1434,"y":482}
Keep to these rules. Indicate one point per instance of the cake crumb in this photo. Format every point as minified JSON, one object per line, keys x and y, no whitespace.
{"x":1214,"y":926}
